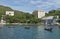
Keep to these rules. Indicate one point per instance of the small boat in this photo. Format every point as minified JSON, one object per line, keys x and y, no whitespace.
{"x":48,"y":29}
{"x":0,"y":27}
{"x":27,"y":27}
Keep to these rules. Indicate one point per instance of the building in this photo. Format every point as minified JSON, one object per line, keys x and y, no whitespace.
{"x":51,"y":20}
{"x":10,"y":13}
{"x":48,"y":20}
{"x":39,"y":13}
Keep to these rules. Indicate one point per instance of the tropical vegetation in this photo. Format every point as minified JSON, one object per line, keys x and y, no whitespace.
{"x":19,"y":16}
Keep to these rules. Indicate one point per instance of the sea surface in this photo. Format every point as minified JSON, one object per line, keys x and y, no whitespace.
{"x":29,"y":32}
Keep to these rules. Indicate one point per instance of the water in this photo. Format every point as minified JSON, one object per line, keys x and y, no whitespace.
{"x":34,"y":32}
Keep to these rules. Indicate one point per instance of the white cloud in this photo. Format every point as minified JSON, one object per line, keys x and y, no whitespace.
{"x":46,"y":3}
{"x":32,"y":4}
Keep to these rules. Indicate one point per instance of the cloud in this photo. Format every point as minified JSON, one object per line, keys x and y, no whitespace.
{"x":31,"y":4}
{"x":45,"y":3}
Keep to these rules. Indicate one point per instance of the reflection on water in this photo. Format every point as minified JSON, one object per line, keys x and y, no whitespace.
{"x":34,"y":32}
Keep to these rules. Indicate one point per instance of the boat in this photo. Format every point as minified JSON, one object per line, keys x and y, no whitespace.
{"x":27,"y":27}
{"x":48,"y":29}
{"x":0,"y":27}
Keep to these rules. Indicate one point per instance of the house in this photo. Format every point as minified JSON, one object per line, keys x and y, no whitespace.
{"x":10,"y":13}
{"x":39,"y":13}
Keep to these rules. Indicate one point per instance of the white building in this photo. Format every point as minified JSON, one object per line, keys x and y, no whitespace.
{"x":51,"y":20}
{"x":39,"y":13}
{"x":10,"y":13}
{"x":48,"y":20}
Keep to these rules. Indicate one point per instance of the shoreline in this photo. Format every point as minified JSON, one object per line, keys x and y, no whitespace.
{"x":26,"y":24}
{"x":21,"y":23}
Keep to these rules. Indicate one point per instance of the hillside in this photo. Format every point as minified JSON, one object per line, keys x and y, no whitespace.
{"x":3,"y":9}
{"x":19,"y":16}
{"x":53,"y":13}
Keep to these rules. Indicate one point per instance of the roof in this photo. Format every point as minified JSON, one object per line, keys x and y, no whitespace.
{"x":46,"y":18}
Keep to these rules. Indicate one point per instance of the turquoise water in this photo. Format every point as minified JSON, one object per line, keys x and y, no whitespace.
{"x":34,"y":32}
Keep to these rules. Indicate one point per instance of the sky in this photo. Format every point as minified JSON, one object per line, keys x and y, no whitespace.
{"x":31,"y":5}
